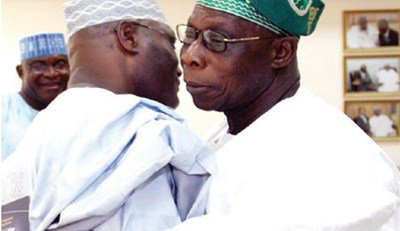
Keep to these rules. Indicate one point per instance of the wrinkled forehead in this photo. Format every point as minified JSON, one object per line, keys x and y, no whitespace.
{"x":204,"y":17}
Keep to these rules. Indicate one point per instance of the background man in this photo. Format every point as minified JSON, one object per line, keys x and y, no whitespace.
{"x":387,"y":36}
{"x":44,"y":72}
{"x":105,"y":154}
{"x":381,"y":124}
{"x":318,"y":171}
{"x":362,"y":120}
{"x":368,"y":84}
{"x":362,"y":35}
{"x":388,"y":79}
{"x":361,"y":80}
{"x":356,"y":81}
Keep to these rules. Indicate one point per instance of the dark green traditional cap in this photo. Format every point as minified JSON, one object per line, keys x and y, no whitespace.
{"x":288,"y":17}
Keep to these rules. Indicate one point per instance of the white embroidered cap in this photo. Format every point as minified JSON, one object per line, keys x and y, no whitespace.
{"x":80,"y":14}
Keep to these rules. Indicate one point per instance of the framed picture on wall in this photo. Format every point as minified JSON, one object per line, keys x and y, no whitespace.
{"x":378,"y":119}
{"x":371,"y":30}
{"x":372,"y":75}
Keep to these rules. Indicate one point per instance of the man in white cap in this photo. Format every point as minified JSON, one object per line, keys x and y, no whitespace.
{"x":44,"y":73}
{"x":118,"y":160}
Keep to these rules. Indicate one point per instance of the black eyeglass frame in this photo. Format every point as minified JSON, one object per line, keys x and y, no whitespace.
{"x":45,"y":67}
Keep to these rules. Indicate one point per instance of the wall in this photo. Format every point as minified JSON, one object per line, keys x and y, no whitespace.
{"x":320,"y":55}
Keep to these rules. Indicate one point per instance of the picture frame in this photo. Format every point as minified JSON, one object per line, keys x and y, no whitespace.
{"x":371,"y":30}
{"x":380,"y":119}
{"x":372,"y":76}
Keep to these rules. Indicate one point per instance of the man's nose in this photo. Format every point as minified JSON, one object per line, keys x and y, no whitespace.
{"x":193,"y":56}
{"x":51,"y":72}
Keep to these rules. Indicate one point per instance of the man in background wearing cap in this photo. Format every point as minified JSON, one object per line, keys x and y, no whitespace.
{"x":276,"y":172}
{"x":44,"y":72}
{"x":119,"y":159}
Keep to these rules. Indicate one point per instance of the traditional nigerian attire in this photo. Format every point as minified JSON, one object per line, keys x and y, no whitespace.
{"x":16,"y":118}
{"x":301,"y":17}
{"x":381,"y":125}
{"x":317,"y":172}
{"x":80,"y":14}
{"x":94,"y":160}
{"x":17,"y":115}
{"x":357,"y":38}
{"x":302,"y":165}
{"x":42,"y":45}
{"x":388,"y":81}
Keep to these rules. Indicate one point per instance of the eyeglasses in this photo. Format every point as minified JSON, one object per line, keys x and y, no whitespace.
{"x":40,"y":67}
{"x":214,"y":41}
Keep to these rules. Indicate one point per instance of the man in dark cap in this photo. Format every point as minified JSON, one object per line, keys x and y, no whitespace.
{"x":288,"y":160}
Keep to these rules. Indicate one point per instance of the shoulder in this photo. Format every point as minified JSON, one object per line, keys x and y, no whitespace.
{"x":10,"y":98}
{"x":98,"y":99}
{"x":307,"y":123}
{"x":10,"y":101}
{"x":393,"y":32}
{"x":372,"y":29}
{"x":380,"y":72}
{"x":353,"y":29}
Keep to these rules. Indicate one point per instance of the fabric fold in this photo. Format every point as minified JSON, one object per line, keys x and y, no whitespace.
{"x":100,"y":161}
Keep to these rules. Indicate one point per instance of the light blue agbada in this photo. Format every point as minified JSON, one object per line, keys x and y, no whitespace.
{"x":16,"y":117}
{"x":100,"y":161}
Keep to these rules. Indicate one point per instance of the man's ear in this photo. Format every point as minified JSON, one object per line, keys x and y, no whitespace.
{"x":285,"y":51}
{"x":20,"y":71}
{"x":127,"y":37}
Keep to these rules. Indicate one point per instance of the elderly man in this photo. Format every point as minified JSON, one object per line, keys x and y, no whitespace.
{"x":362,"y":35}
{"x":360,"y":80}
{"x":381,"y":124}
{"x":362,"y":120}
{"x":288,"y":160}
{"x":388,"y":79}
{"x":105,"y":155}
{"x":44,"y":72}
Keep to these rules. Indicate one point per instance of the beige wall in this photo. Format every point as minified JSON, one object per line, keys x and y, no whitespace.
{"x":320,"y":55}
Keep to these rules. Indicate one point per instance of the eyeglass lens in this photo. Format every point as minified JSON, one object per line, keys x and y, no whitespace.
{"x":41,"y":67}
{"x":212,"y":40}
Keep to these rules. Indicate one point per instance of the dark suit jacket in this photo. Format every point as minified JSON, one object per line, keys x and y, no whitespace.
{"x":362,"y":124}
{"x":392,"y":40}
